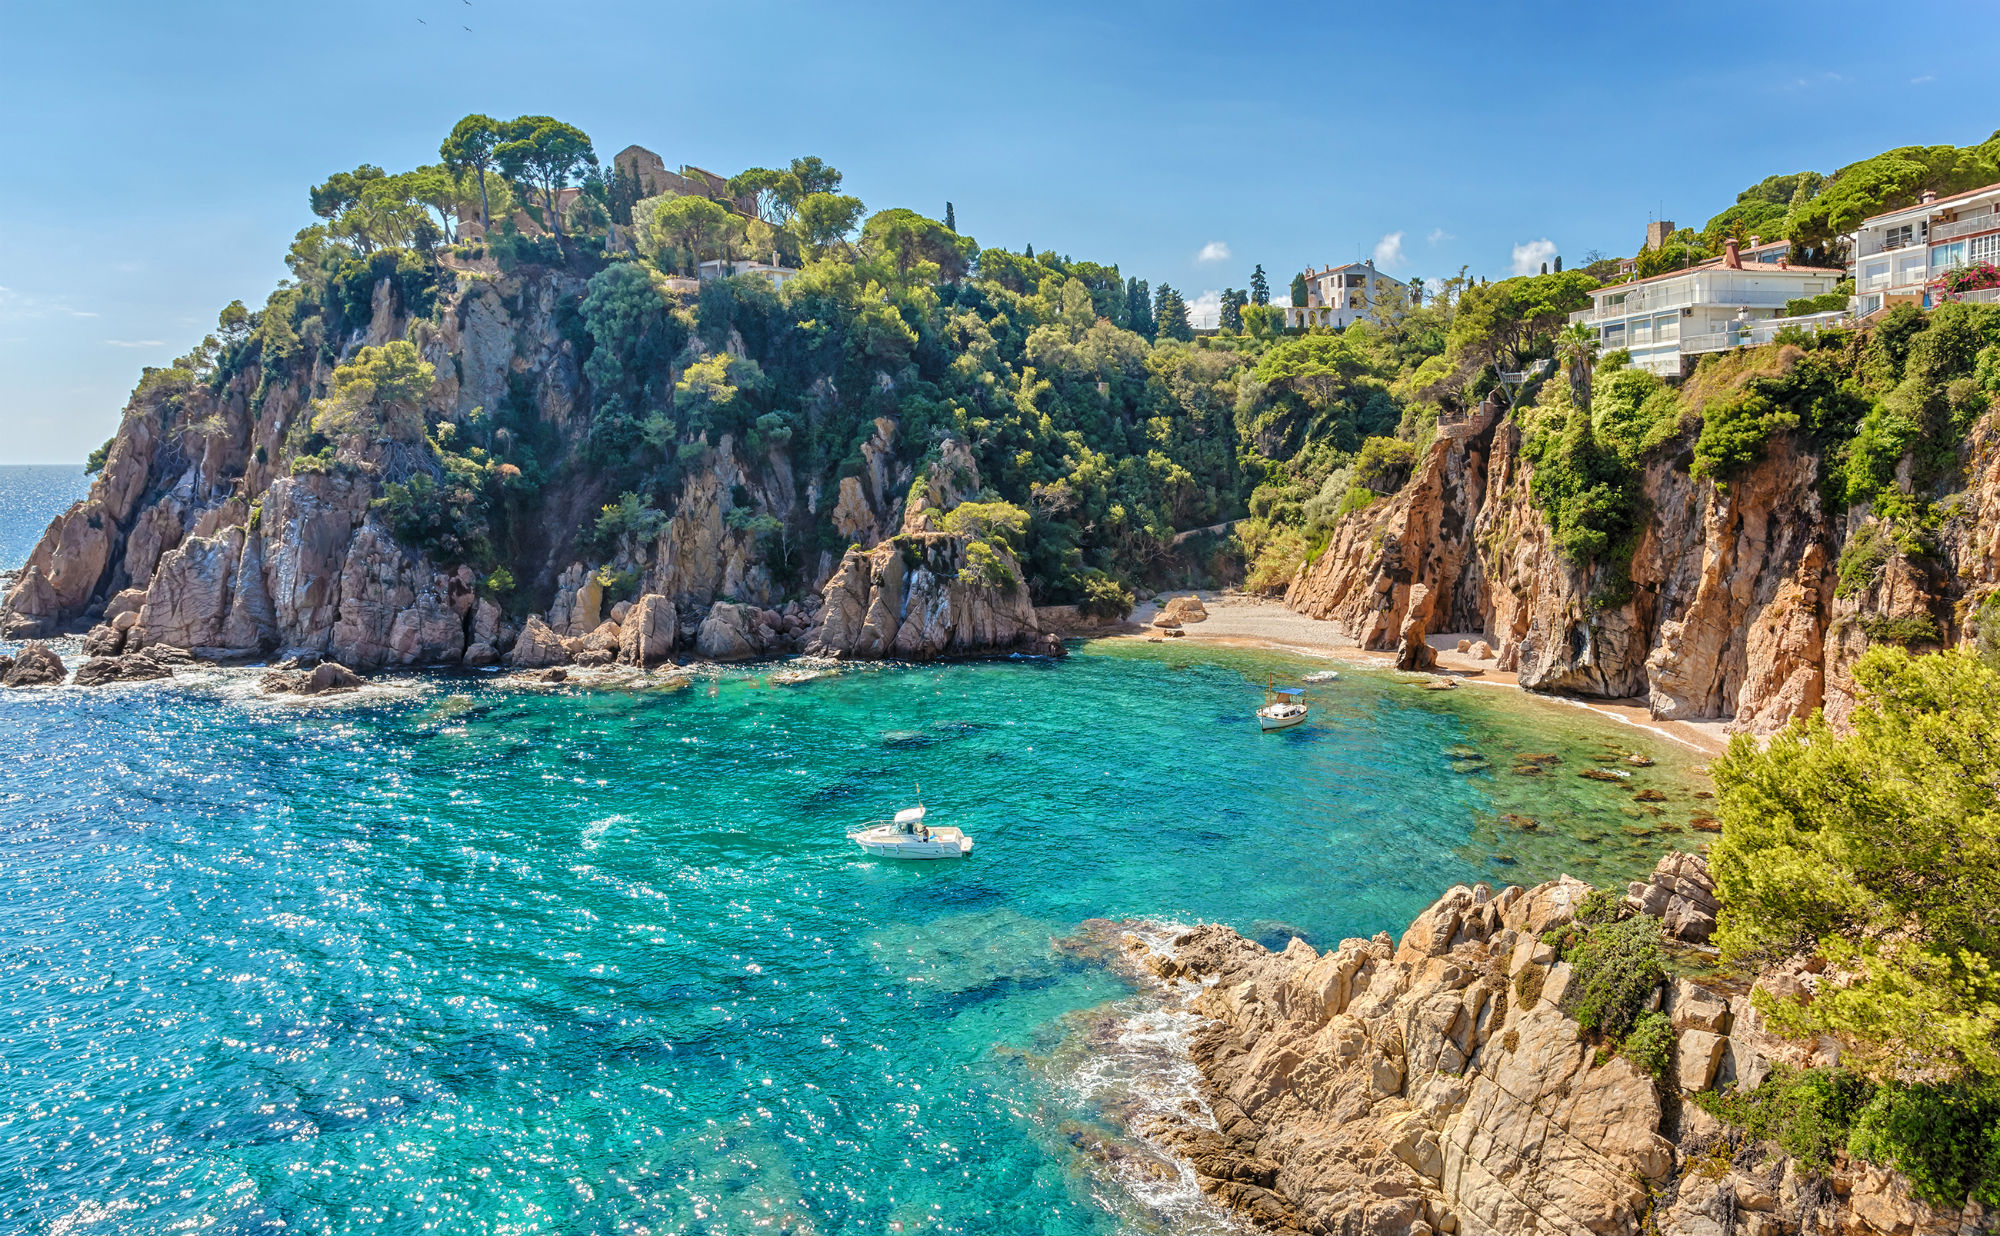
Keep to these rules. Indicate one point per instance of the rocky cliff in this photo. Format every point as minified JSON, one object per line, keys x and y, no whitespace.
{"x":1734,"y":608}
{"x":1434,"y":1084}
{"x":235,"y":520}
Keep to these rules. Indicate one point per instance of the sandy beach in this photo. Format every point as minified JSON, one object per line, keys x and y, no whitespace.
{"x":1235,"y":619}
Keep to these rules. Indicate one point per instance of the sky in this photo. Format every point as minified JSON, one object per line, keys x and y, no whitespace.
{"x":156,"y":156}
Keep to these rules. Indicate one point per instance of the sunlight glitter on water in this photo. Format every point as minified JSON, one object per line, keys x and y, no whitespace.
{"x":456,"y":954}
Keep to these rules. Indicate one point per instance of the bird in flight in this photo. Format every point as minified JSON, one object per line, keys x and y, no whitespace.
{"x":422,"y":22}
{"x":467,"y":29}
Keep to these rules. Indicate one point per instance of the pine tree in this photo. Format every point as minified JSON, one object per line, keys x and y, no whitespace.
{"x":1170,"y":314}
{"x":1299,"y":291}
{"x":950,"y":220}
{"x":1260,"y":287}
{"x":1232,"y":310}
{"x":1139,"y":307}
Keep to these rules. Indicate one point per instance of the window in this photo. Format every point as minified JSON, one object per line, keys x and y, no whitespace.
{"x":1667,"y":326}
{"x":1875,"y":275}
{"x":1983,"y":249}
{"x":1813,"y":288}
{"x":1642,"y":331}
{"x":1899,"y":237}
{"x":1944,"y":257}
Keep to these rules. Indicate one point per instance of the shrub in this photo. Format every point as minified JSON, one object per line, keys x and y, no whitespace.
{"x":1808,"y":1112}
{"x":1946,"y":1139}
{"x":1903,"y":632}
{"x":1733,"y":434}
{"x":1650,"y":1044}
{"x":1385,"y":463}
{"x":1861,"y":561}
{"x":501,"y":582}
{"x":95,"y":464}
{"x":1103,"y":596}
{"x":1615,"y":967}
{"x":1528,"y":985}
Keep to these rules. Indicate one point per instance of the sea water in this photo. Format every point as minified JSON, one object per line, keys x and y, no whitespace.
{"x":462,"y":955}
{"x":30,"y":496}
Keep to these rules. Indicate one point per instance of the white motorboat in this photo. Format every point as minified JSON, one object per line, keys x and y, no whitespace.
{"x":907,"y":836}
{"x":1283,"y":708}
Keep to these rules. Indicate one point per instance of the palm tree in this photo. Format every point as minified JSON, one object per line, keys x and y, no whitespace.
{"x":1576,"y":348}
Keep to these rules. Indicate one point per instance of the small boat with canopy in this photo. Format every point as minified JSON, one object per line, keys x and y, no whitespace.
{"x":907,"y":836}
{"x":1283,"y":708}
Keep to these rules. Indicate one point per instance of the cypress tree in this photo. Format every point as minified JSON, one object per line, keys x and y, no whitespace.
{"x":1139,"y":307}
{"x":1299,"y":290}
{"x":1232,"y":310}
{"x":1260,"y":287}
{"x":950,"y":221}
{"x":1031,"y":253}
{"x":1559,"y":263}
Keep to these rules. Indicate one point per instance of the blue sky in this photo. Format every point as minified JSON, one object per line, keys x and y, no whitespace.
{"x":156,"y":156}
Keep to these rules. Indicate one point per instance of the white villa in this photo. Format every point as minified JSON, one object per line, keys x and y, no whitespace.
{"x":1340,"y":295}
{"x":1898,"y":254}
{"x":778,"y":275}
{"x":1711,"y":307}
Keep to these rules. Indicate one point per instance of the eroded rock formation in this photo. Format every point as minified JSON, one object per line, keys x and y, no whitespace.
{"x":1434,"y":1084}
{"x":1734,"y":610}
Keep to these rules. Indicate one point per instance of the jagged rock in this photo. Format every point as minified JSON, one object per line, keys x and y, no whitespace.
{"x":600,"y":647}
{"x":486,"y":624}
{"x":35,"y":664}
{"x":482,"y":654}
{"x":537,"y":646}
{"x":1697,"y":1058}
{"x":124,"y":607}
{"x":620,"y":610}
{"x":1681,"y":893}
{"x":1413,"y":649}
{"x":32,"y":607}
{"x":103,"y":640}
{"x":647,"y":633}
{"x":729,"y":633}
{"x":1166,"y":621}
{"x":134,"y":667}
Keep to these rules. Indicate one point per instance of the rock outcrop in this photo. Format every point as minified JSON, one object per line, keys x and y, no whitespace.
{"x":1731,"y":611}
{"x":34,"y":664}
{"x":326,"y":678}
{"x":1434,"y":1084}
{"x":132,"y":667}
{"x":1681,"y":894}
{"x":913,"y":599}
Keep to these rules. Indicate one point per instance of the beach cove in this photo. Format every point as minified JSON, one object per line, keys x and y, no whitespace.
{"x":525,"y":956}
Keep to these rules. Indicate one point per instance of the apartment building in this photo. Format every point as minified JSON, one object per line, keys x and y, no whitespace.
{"x":1668,"y":319}
{"x":1898,"y":254}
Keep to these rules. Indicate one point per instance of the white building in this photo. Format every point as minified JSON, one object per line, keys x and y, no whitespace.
{"x":1708,"y":308}
{"x":1341,"y":295}
{"x":1898,"y":254}
{"x":778,"y":275}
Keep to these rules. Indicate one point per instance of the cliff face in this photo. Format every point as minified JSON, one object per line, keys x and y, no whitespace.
{"x":1733,"y":610}
{"x":1405,"y":1088}
{"x":203,"y":523}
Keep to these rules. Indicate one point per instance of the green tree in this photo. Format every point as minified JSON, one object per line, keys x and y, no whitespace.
{"x":381,"y":390}
{"x":1299,"y":294}
{"x":815,"y":175}
{"x":1260,"y":287}
{"x":469,"y":151}
{"x":1170,"y":314}
{"x":341,"y":191}
{"x":950,"y":218}
{"x":1233,"y":302}
{"x":1515,"y":319}
{"x":825,"y":220}
{"x":776,"y":191}
{"x":907,"y":241}
{"x":542,"y":155}
{"x":1139,"y":308}
{"x":1880,"y":852}
{"x":1576,"y":350}
{"x":694,"y":225}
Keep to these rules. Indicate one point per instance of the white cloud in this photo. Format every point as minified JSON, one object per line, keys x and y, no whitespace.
{"x":15,"y":306}
{"x":1439,"y":234}
{"x":1389,"y":250}
{"x":1213,"y":251}
{"x":1528,"y":258}
{"x":135,"y":343}
{"x":1205,"y":310}
{"x":1928,"y":77}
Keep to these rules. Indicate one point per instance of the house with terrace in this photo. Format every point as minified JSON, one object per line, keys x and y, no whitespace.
{"x":1725,"y":302}
{"x":1339,"y":296}
{"x":1898,"y":255}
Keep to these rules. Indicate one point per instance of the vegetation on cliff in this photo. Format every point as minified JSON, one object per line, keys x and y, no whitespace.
{"x":1877,"y":855}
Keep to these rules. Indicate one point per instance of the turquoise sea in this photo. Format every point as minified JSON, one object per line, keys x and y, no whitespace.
{"x":460,"y":956}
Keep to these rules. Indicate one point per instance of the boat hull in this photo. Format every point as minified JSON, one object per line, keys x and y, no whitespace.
{"x":1279,"y":723}
{"x":886,"y":843}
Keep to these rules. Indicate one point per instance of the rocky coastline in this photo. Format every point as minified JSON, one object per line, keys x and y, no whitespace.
{"x":1434,"y":1084}
{"x":208,"y":533}
{"x":1749,"y":602}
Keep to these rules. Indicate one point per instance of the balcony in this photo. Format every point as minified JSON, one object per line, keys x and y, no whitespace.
{"x":1764,"y":330}
{"x":1976,"y":225}
{"x":1679,"y":298}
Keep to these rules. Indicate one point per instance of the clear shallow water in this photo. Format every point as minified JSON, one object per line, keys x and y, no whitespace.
{"x":30,"y":496}
{"x":460,"y":957}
